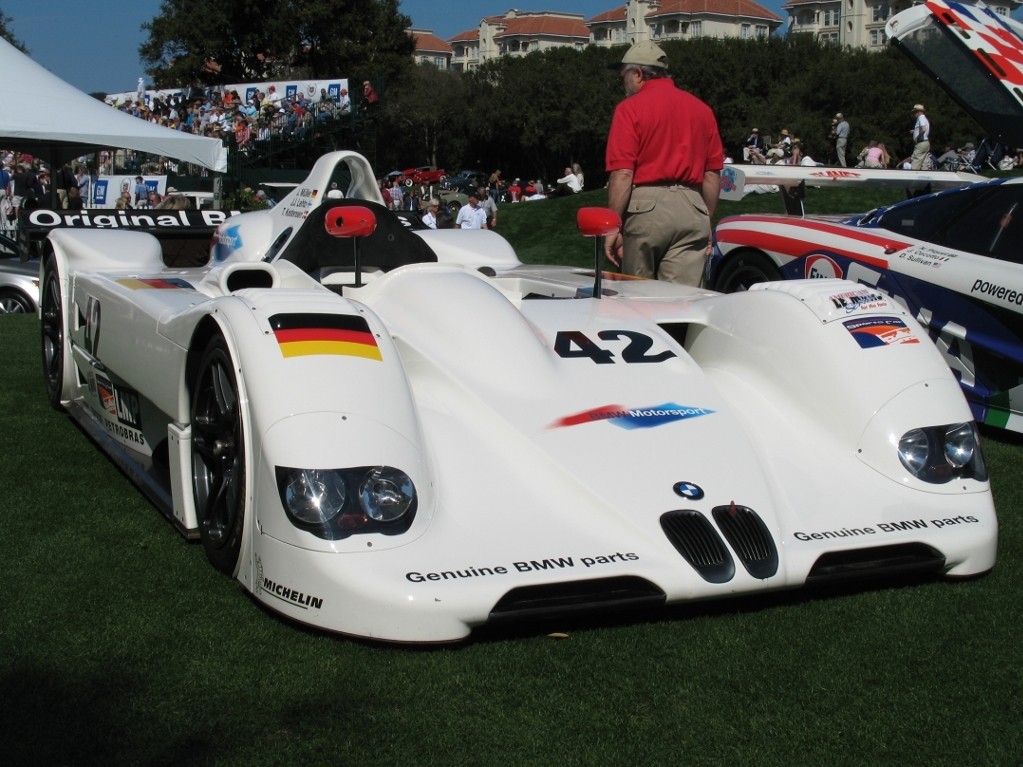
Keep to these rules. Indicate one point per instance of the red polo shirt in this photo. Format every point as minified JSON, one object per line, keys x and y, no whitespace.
{"x":664,"y":133}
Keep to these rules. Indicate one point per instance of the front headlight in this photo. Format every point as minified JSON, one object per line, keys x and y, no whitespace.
{"x":939,"y":454}
{"x":315,"y":497}
{"x":386,"y":494}
{"x":336,"y":503}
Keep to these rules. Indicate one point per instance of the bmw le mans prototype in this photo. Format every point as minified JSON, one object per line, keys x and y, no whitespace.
{"x":954,"y":258}
{"x":404,"y":434}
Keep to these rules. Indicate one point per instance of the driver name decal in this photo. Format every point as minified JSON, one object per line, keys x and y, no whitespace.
{"x":300,"y":335}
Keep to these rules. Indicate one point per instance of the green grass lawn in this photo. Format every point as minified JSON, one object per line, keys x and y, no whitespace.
{"x":120,"y":645}
{"x":543,"y":231}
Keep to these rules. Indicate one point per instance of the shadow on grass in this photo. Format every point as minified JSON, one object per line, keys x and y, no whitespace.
{"x":50,"y":720}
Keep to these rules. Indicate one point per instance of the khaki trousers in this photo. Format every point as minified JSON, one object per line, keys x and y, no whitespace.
{"x":665,"y":234}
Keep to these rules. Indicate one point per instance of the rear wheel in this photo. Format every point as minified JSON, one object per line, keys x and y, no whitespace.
{"x":744,"y":270}
{"x":218,"y":456}
{"x":52,"y":327}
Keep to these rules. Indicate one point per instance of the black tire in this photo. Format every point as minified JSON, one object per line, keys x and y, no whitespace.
{"x":453,"y":207}
{"x":408,"y":183}
{"x":218,"y":456}
{"x":745,"y":269}
{"x":14,"y":302}
{"x":51,"y":302}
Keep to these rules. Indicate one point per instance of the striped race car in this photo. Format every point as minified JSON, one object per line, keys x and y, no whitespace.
{"x":954,"y":257}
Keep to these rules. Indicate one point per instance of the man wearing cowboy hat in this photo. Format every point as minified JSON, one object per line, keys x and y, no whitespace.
{"x":664,"y":157}
{"x":921,"y":138}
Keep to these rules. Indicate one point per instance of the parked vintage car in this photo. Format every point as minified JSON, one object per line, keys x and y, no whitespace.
{"x":19,"y":279}
{"x":465,"y":181}
{"x":424,"y":174}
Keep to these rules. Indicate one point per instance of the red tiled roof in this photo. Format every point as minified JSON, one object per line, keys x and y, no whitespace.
{"x":615,"y":14}
{"x":546,"y":26}
{"x":722,"y":7}
{"x":428,"y":41}
{"x":467,"y":35}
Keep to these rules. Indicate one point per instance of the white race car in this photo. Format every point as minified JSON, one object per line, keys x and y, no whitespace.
{"x":406,"y":434}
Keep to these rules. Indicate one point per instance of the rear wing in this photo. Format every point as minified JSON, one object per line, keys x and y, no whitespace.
{"x":184,"y":235}
{"x":734,"y":178}
{"x":974,"y":54}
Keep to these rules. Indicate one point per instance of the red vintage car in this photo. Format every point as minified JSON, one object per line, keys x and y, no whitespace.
{"x":424,"y":174}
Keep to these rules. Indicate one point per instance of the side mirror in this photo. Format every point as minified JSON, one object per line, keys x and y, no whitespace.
{"x":598,"y":222}
{"x":353,"y":221}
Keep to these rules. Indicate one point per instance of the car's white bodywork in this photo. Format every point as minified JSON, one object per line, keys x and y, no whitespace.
{"x":656,"y":445}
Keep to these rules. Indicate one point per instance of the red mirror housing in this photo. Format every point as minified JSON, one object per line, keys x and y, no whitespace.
{"x":598,"y":222}
{"x":352,"y":221}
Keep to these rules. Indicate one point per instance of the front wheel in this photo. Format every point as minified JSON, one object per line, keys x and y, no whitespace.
{"x":52,"y":327}
{"x":744,"y":270}
{"x":218,"y":456}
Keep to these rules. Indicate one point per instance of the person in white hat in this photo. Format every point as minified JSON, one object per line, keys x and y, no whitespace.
{"x":664,"y":157}
{"x":921,"y":138}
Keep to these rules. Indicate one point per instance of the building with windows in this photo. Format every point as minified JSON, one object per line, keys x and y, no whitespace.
{"x":430,"y":49}
{"x":516,"y":33}
{"x":857,"y":23}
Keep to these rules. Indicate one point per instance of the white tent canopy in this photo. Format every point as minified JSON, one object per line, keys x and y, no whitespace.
{"x":46,"y":115}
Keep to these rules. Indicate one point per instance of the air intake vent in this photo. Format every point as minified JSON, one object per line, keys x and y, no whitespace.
{"x":696,"y":539}
{"x":749,"y":538}
{"x":556,"y":600}
{"x":904,"y":560}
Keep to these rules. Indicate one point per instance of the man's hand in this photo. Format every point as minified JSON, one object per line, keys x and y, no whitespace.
{"x":613,"y":249}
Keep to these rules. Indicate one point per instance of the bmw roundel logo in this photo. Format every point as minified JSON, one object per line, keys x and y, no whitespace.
{"x":689,"y":490}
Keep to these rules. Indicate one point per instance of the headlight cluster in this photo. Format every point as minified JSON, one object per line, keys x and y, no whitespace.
{"x":940,"y":454}
{"x":336,"y":503}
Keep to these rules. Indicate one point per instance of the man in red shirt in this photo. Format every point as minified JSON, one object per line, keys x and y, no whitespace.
{"x":664,"y":157}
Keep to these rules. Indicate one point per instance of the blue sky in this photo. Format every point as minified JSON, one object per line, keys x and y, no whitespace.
{"x":93,"y":44}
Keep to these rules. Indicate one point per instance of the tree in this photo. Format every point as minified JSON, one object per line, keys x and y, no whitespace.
{"x":7,"y":35}
{"x":355,"y":37}
{"x":422,"y":118}
{"x":227,"y":41}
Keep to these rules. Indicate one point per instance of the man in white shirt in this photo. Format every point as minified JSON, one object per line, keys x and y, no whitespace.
{"x":471,"y":215}
{"x":569,"y":183}
{"x":430,"y":217}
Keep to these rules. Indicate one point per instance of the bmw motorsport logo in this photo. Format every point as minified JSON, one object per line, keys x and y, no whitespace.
{"x":688,"y":490}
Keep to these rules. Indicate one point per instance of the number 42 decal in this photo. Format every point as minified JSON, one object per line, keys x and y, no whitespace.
{"x":572,"y":344}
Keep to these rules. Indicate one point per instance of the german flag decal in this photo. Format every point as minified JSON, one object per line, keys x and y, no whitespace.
{"x":305,"y":334}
